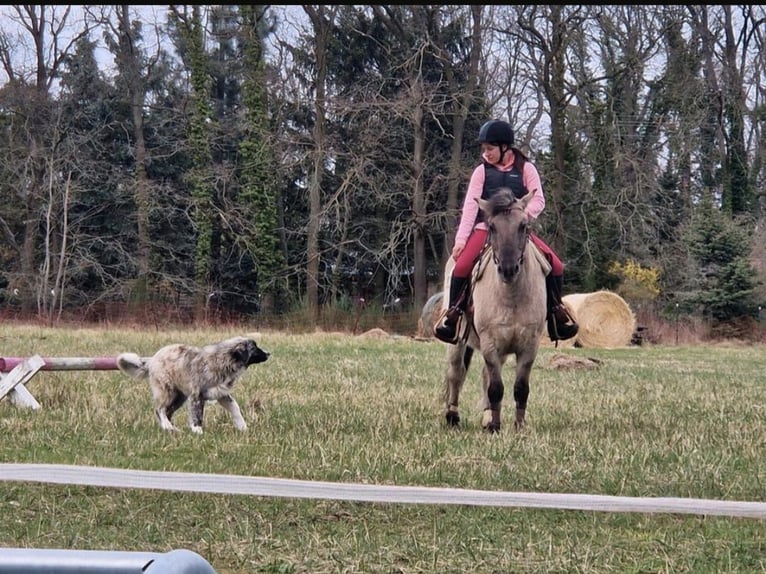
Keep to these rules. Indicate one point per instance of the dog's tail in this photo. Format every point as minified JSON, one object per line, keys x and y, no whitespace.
{"x":132,"y":365}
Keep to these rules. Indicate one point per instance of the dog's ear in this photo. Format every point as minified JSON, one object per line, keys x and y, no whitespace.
{"x":241,"y":353}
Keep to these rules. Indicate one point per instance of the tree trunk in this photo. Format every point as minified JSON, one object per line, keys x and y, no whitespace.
{"x":321,"y":24}
{"x":420,"y":294}
{"x":468,"y":89}
{"x":130,"y":68}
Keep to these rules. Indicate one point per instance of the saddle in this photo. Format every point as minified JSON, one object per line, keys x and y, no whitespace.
{"x":464,"y":320}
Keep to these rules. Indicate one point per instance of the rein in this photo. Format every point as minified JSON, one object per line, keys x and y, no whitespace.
{"x":487,"y":244}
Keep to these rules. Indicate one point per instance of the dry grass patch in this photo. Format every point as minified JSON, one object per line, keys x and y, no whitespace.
{"x":649,"y":421}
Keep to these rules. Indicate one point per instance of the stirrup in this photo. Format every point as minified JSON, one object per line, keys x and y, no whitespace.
{"x":566,"y":331}
{"x":561,"y":324}
{"x":446,"y":333}
{"x":447,"y":328}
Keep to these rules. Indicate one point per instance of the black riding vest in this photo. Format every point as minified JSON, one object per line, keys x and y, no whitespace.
{"x":495,"y":179}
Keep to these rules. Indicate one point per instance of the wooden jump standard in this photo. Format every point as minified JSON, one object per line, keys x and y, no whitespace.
{"x":20,"y":370}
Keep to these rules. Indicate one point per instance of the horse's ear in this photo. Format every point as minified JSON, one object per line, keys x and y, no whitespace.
{"x":526,"y":199}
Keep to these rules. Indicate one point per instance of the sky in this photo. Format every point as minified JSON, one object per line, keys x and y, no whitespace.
{"x":21,"y":48}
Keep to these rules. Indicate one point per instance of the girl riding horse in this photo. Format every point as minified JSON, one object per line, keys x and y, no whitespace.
{"x":503,"y":166}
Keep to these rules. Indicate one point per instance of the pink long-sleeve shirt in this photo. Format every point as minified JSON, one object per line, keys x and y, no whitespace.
{"x":531,"y":179}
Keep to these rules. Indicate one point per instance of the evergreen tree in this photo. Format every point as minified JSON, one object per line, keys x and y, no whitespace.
{"x":258,"y":195}
{"x":200,"y":176}
{"x":726,"y":279}
{"x":101,"y":227}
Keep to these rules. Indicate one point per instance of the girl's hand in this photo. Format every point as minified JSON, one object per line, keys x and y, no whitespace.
{"x":456,"y":251}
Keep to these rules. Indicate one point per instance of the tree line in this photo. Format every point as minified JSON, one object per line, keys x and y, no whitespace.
{"x":262,"y":159}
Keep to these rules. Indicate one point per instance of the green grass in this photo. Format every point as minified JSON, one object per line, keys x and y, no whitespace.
{"x":651,"y":421}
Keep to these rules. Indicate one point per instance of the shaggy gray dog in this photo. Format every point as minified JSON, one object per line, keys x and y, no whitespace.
{"x":180,"y":372}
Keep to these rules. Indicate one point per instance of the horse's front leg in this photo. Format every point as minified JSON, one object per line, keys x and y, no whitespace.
{"x":458,"y":360}
{"x":521,"y":389}
{"x":492,"y":383}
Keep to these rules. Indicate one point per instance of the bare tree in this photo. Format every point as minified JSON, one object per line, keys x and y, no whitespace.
{"x":134,"y":72}
{"x":321,"y":18}
{"x":421,"y":100}
{"x":467,"y":96}
{"x":35,"y":41}
{"x":738,"y":195}
{"x":546,"y":32}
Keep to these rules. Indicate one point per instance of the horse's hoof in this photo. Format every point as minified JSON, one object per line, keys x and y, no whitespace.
{"x":520,"y":418}
{"x":453,"y":419}
{"x":492,"y":427}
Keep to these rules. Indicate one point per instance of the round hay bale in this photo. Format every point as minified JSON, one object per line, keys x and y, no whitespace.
{"x":605,"y":319}
{"x":430,"y":313}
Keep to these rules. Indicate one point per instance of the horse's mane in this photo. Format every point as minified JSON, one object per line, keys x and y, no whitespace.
{"x":502,"y":201}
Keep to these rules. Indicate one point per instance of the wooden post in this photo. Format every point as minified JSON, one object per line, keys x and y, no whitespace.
{"x":12,"y":384}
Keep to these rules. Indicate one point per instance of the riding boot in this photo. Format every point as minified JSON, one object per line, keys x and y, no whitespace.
{"x":561,"y":324}
{"x":458,"y":297}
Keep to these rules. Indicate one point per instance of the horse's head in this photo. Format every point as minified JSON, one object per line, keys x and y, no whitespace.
{"x":508,"y":225}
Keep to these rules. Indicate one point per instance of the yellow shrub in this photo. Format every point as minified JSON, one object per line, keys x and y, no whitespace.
{"x":637,"y":283}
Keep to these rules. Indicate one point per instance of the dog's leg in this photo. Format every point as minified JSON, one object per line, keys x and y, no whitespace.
{"x":163,"y":418}
{"x":165,"y":411}
{"x":196,"y":412}
{"x":178,"y":400}
{"x":230,"y":404}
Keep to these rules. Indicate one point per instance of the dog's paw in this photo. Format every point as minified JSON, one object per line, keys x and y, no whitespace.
{"x":197,"y":430}
{"x":241,"y":426}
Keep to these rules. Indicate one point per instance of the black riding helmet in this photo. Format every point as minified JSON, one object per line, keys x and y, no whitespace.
{"x":496,"y":132}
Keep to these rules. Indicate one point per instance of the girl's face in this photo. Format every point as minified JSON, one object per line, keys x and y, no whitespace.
{"x":490,"y":152}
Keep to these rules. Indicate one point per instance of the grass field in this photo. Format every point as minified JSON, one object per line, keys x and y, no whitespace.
{"x":650,"y":421}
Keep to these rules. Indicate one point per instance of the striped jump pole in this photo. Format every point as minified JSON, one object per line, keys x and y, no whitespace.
{"x":7,"y":364}
{"x":15,"y":372}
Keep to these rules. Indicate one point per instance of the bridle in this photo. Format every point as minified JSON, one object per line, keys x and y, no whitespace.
{"x":488,"y":241}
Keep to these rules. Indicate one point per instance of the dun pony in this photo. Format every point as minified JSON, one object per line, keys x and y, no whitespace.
{"x":507,"y":316}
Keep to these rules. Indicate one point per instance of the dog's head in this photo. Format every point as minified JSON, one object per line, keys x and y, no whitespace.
{"x":246,"y":352}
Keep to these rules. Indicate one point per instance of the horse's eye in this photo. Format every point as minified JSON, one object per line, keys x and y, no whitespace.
{"x":491,"y":227}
